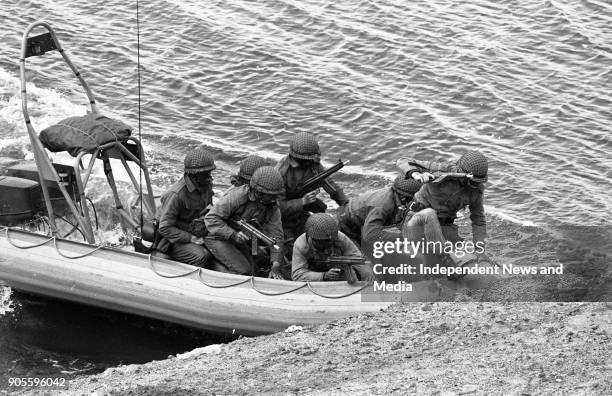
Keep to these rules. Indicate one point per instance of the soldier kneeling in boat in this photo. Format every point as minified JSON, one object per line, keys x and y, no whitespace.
{"x":183,"y":205}
{"x":368,"y":214}
{"x":315,"y":253}
{"x":246,"y":214}
{"x":448,"y":188}
{"x":303,"y":162}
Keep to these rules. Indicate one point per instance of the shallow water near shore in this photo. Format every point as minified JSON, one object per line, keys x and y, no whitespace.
{"x":44,"y":337}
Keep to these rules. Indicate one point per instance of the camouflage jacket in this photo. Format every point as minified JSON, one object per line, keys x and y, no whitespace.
{"x":236,"y":205}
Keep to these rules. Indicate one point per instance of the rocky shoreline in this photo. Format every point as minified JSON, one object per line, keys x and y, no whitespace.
{"x":422,"y":348}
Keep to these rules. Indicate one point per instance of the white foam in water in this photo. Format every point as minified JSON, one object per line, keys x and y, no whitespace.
{"x":505,"y":216}
{"x":5,"y":299}
{"x":46,"y":106}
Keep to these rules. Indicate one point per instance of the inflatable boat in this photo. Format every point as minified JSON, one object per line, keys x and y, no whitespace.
{"x":164,"y":289}
{"x":51,"y":264}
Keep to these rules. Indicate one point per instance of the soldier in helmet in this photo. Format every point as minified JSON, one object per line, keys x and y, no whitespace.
{"x":373,"y":210}
{"x":182,"y":204}
{"x":436,"y":205}
{"x":257,"y":203}
{"x":247,"y":167}
{"x":303,"y":162}
{"x":321,"y":241}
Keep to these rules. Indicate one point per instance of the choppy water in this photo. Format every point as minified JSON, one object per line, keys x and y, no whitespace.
{"x":528,"y":83}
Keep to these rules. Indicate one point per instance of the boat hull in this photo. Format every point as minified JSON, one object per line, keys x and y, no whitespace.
{"x":126,"y":281}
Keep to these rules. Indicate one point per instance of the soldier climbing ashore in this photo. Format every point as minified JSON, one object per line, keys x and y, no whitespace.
{"x":448,"y":188}
{"x":316,"y":252}
{"x":182,"y":205}
{"x":255,"y":205}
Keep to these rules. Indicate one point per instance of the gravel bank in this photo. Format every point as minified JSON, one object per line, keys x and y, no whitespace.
{"x":425,"y":348}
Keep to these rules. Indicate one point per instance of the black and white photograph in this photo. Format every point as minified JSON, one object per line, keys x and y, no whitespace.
{"x":306,"y":197}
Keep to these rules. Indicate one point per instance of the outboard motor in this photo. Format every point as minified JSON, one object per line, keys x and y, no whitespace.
{"x":20,"y":200}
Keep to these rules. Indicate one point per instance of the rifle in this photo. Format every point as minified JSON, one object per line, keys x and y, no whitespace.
{"x":440,"y":176}
{"x":405,"y":164}
{"x":314,"y":182}
{"x":345,"y":263}
{"x":254,"y":234}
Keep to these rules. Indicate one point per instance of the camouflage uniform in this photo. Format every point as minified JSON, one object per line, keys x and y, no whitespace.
{"x":181,"y":204}
{"x":367,"y":215}
{"x":293,"y":213}
{"x":446,"y":199}
{"x":240,"y":203}
{"x":306,"y":263}
{"x":303,"y":252}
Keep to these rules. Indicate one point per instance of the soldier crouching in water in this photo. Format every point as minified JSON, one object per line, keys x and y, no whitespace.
{"x":436,"y":204}
{"x":183,"y":204}
{"x":318,"y":246}
{"x":303,"y":162}
{"x":257,"y":204}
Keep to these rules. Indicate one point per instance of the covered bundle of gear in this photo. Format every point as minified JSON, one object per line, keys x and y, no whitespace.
{"x":304,"y":146}
{"x":268,"y":180}
{"x":321,"y":226}
{"x":83,"y":133}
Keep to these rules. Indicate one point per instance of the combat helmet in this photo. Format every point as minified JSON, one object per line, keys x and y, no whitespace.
{"x":199,"y":160}
{"x":321,"y":226}
{"x":304,"y":145}
{"x":268,"y":180}
{"x":406,"y":187}
{"x":249,"y":165}
{"x":476,"y":163}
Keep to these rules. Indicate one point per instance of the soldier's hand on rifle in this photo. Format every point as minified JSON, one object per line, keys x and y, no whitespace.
{"x":197,"y":240}
{"x":239,"y":238}
{"x":310,"y":197}
{"x":275,"y":272}
{"x":332,"y":274}
{"x":423,"y":177}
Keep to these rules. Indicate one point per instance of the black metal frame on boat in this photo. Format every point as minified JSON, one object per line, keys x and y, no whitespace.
{"x":130,"y":150}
